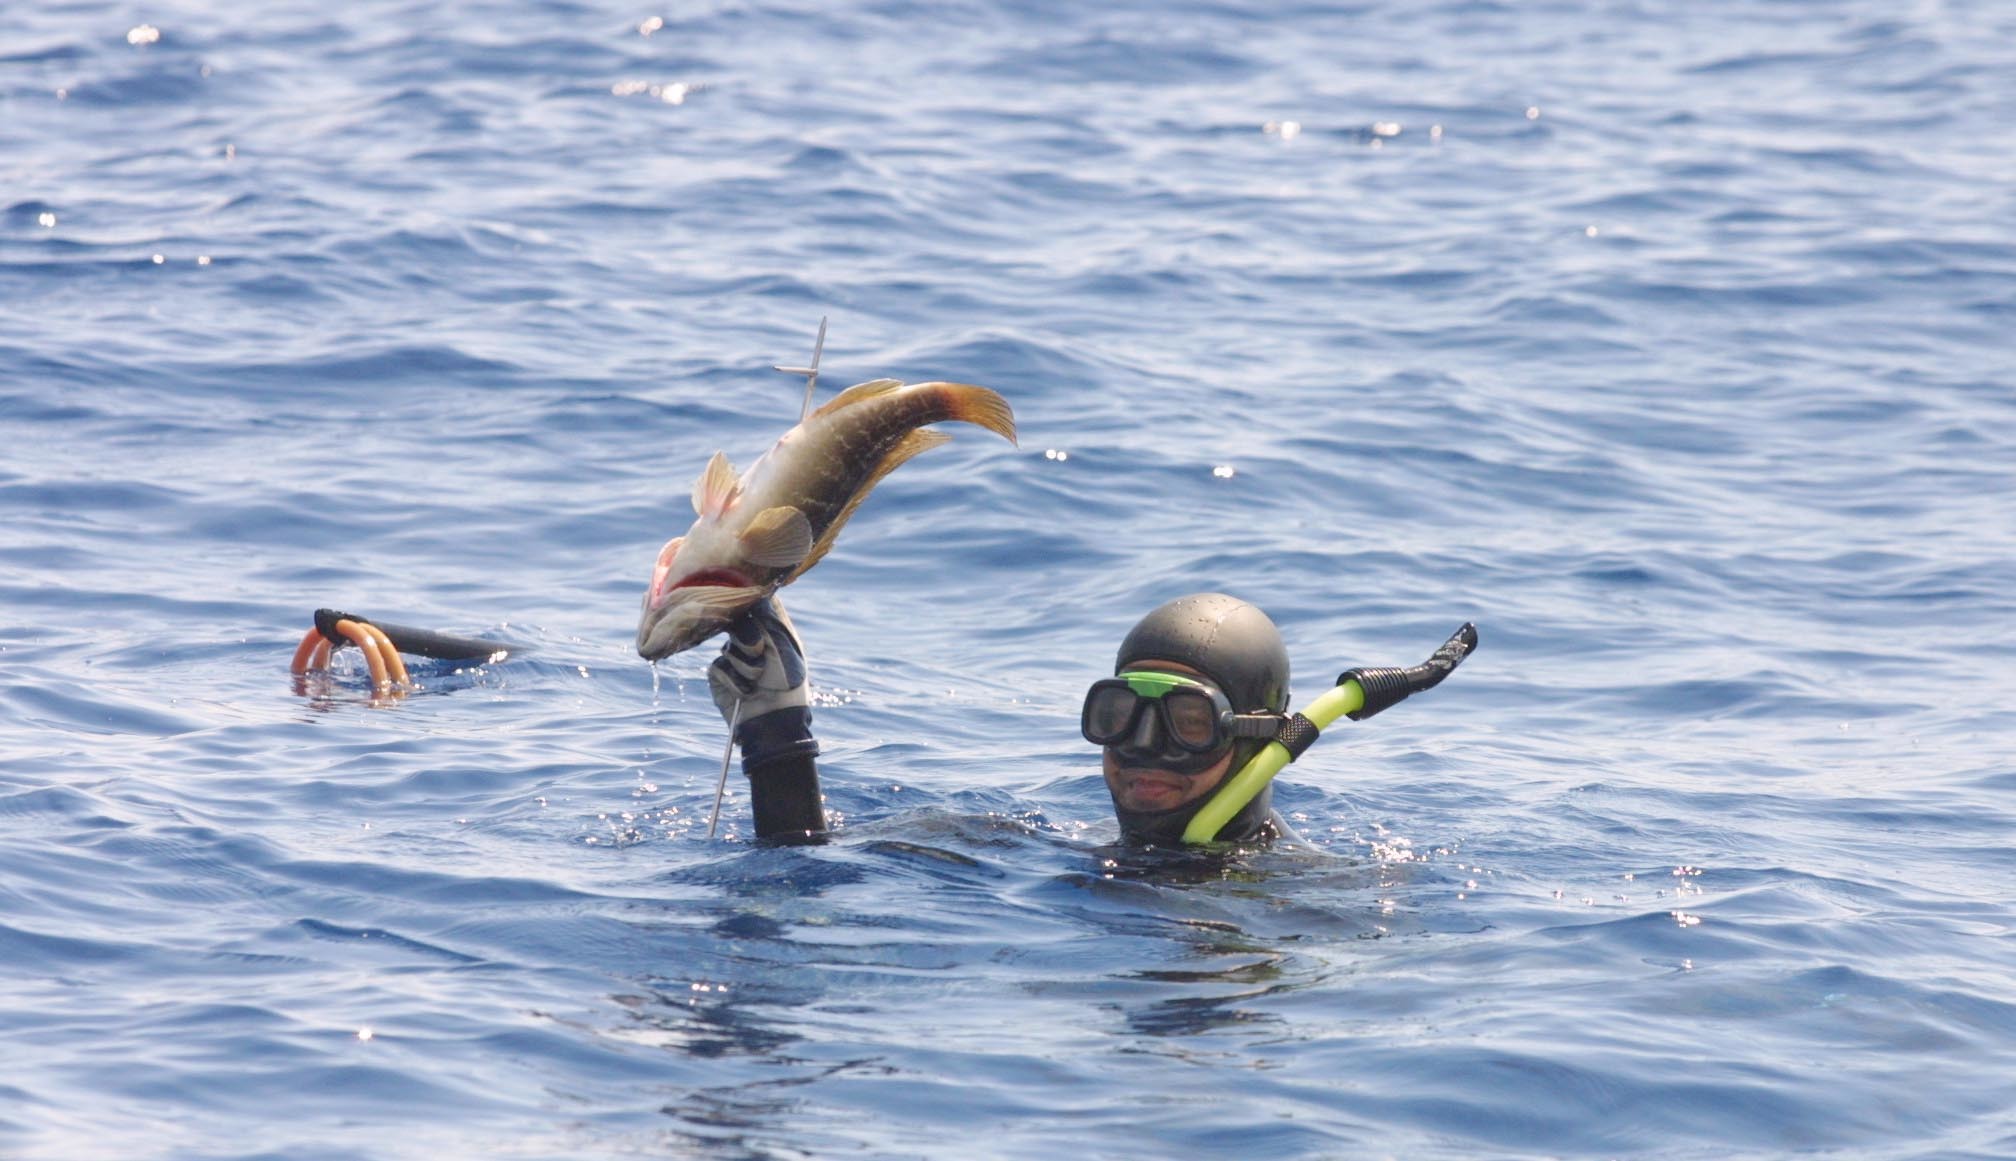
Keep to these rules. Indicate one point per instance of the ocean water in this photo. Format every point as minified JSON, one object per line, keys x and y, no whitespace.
{"x":1671,"y":343}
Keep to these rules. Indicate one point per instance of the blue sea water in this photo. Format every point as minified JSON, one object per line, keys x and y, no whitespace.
{"x":1670,"y":342}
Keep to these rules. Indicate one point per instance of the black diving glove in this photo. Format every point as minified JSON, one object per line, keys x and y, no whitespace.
{"x":762,"y":667}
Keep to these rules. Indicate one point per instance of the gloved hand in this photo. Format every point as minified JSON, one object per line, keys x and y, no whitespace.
{"x":763,"y":666}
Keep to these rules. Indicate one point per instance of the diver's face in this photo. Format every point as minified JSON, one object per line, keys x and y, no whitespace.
{"x":1146,"y":788}
{"x":1154,"y":788}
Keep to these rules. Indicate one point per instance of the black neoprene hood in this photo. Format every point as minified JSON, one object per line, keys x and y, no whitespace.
{"x":1224,"y":638}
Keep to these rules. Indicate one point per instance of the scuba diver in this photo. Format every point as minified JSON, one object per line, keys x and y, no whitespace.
{"x":1199,"y":691}
{"x":1193,"y":725}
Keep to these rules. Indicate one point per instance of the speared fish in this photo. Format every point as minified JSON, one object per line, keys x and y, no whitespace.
{"x":757,"y":533}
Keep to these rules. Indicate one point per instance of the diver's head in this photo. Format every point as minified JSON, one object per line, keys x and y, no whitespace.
{"x":1200,"y":684}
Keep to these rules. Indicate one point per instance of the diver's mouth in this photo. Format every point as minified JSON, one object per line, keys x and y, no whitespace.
{"x":1152,"y":789}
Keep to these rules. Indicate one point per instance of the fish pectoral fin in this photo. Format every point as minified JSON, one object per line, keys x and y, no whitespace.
{"x":910,"y":446}
{"x":716,"y":486}
{"x":777,"y":538}
{"x":857,"y":393}
{"x":725,"y":600}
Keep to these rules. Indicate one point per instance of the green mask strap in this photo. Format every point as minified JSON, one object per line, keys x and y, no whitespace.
{"x":1153,"y":683}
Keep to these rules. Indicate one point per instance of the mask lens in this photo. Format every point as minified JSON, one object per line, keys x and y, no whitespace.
{"x":1109,"y":712}
{"x":1192,"y":718}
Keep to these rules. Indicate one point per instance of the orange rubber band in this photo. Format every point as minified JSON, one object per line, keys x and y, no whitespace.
{"x":395,"y":665}
{"x":304,"y":657}
{"x":368,"y":646}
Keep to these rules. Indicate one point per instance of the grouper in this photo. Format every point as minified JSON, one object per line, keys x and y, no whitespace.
{"x":757,"y":533}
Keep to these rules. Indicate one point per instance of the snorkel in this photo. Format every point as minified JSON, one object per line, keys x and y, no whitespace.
{"x":1358,"y":694}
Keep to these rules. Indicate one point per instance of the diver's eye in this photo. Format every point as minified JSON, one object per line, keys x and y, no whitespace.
{"x":1193,"y":719}
{"x":1108,"y":713}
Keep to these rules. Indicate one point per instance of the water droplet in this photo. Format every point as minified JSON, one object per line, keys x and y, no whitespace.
{"x":160,"y":258}
{"x":365,"y":1034}
{"x":45,"y":219}
{"x":1532,"y":112}
{"x":650,"y":25}
{"x":1589,"y":231}
{"x":1224,"y":471}
{"x":1285,"y":130}
{"x":1385,"y":128}
{"x":143,"y":34}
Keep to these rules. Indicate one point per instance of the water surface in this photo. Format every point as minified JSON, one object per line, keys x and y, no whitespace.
{"x":1669,"y":343}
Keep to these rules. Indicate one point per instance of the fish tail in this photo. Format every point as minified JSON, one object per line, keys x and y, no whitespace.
{"x":975,"y":405}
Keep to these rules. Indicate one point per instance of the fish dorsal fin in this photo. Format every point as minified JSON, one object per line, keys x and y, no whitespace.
{"x":857,"y":393}
{"x":909,"y":446}
{"x":777,"y":538}
{"x":715,"y":487}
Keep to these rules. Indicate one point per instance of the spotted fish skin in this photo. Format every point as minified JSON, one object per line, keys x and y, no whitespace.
{"x":758,"y":532}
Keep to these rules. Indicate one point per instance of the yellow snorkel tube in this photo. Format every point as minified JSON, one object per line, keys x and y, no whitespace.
{"x":1358,"y":694}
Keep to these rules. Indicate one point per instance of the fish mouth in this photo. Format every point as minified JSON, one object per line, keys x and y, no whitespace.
{"x":719,"y":576}
{"x":708,"y":578}
{"x":691,"y":611}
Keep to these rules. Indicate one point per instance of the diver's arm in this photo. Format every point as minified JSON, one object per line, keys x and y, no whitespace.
{"x":777,"y":756}
{"x":759,"y":682}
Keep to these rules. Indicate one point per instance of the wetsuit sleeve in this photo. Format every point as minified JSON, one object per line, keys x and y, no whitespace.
{"x":778,"y":752}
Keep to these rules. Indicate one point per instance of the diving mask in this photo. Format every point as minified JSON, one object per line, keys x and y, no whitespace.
{"x":1152,"y":718}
